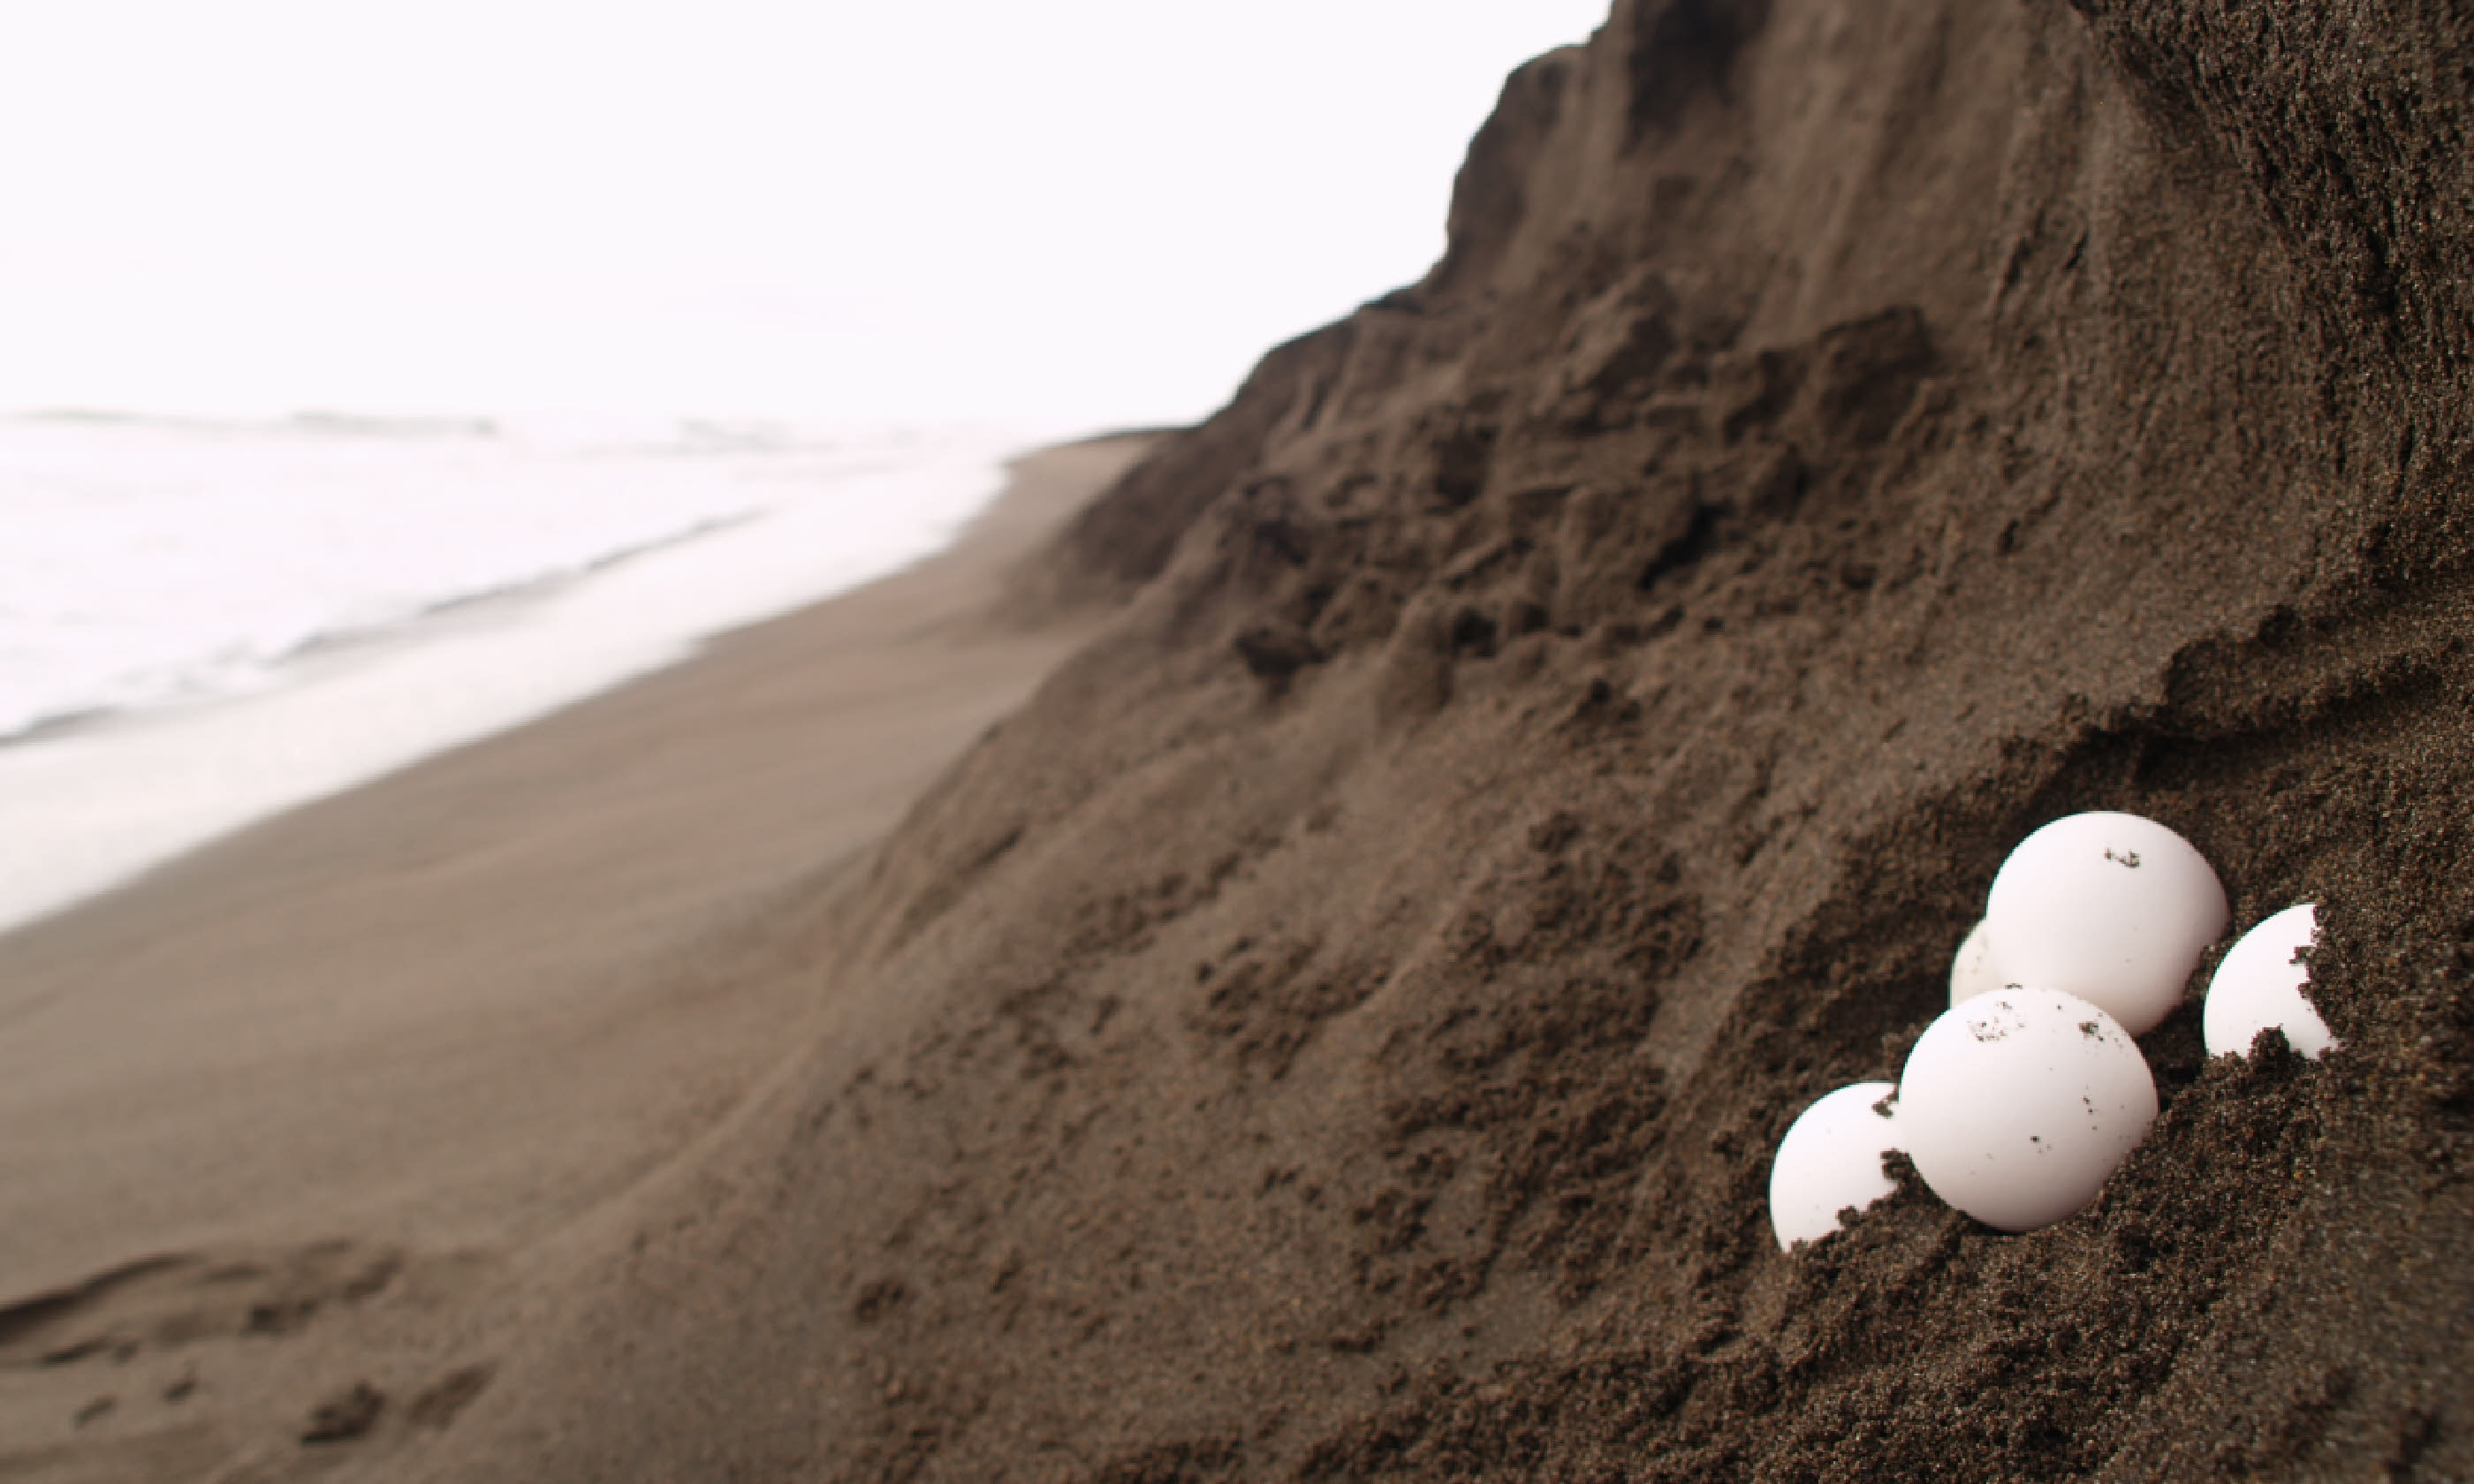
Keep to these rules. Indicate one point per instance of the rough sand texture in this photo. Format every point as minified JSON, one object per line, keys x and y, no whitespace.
{"x":1558,"y":721}
{"x":1563,"y":719}
{"x":296,"y":1113}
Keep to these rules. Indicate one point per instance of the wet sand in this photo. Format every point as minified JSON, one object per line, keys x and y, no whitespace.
{"x":306,"y":1094}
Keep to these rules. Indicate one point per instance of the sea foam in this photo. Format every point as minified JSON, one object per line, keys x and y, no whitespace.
{"x":202,"y":623}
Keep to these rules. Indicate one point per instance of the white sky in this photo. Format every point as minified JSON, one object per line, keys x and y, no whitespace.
{"x":1083,"y":213}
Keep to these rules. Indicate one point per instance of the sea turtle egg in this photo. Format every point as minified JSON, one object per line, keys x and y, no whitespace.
{"x":1830,"y":1159}
{"x":2110,"y":907}
{"x":2260,"y":984}
{"x":2016,"y":1104}
{"x":1974,"y":972}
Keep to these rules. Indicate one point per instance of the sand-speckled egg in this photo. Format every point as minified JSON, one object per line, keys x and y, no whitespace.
{"x":1830,"y":1159}
{"x":1973,"y":972}
{"x":2110,"y":907}
{"x":2260,"y":984}
{"x":2016,"y":1104}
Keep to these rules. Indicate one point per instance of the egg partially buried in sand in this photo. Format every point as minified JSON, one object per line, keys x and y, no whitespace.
{"x":2260,"y":984}
{"x":2016,"y":1104}
{"x":1974,"y":972}
{"x":2110,"y":907}
{"x":1830,"y":1159}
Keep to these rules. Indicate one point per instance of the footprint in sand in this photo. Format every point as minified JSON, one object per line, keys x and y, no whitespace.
{"x":164,"y":1302}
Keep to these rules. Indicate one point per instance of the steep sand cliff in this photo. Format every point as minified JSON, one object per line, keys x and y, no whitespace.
{"x":1562,"y":718}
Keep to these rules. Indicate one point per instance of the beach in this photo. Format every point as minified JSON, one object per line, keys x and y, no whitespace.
{"x":1291,"y":952}
{"x":399,"y":1037}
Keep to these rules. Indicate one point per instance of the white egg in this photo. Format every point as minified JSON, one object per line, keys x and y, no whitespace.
{"x":1974,"y":972}
{"x":2016,"y":1104}
{"x":2260,"y":984}
{"x":2110,"y":907}
{"x":1830,"y":1159}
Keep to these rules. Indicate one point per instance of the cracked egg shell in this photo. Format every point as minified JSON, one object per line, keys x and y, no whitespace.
{"x":2015,"y":1106}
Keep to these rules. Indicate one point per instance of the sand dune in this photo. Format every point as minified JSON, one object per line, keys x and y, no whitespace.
{"x":1549,"y":728}
{"x":1563,"y":718}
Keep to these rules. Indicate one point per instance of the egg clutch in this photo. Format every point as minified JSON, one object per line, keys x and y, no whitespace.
{"x":2021,"y":1098}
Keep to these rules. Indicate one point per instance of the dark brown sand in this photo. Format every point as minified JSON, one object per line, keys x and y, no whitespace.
{"x":1551,"y":726}
{"x":1561,"y":720}
{"x":296,"y":1115}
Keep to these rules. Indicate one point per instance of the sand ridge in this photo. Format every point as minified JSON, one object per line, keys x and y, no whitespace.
{"x":1559,"y":720}
{"x":1563,"y":718}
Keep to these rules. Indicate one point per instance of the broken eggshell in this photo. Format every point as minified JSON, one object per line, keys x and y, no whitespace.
{"x":1830,"y":1159}
{"x":2016,"y":1104}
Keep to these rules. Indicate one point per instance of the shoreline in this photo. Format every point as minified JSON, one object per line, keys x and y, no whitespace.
{"x":99,"y":799}
{"x":412,"y":1028}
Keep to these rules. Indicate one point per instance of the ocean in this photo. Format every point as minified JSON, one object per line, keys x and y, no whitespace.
{"x":204,"y":622}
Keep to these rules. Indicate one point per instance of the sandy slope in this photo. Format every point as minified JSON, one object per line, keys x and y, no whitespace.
{"x":1563,"y":718}
{"x":273,"y":1118}
{"x":1559,"y":721}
